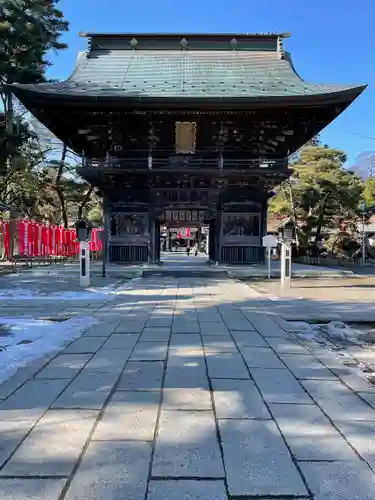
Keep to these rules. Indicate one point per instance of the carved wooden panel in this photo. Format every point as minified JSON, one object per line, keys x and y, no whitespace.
{"x":240,"y":229}
{"x":126,"y":224}
{"x":184,"y":215}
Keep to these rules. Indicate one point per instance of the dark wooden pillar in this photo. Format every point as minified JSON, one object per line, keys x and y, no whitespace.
{"x":263,"y":227}
{"x":106,"y":235}
{"x":211,"y":241}
{"x":151,"y":234}
{"x":157,"y":241}
{"x":218,"y":234}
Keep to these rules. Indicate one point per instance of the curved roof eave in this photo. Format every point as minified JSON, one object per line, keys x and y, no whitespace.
{"x":37,"y":92}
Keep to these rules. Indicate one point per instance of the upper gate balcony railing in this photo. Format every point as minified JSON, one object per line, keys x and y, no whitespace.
{"x":201,"y":160}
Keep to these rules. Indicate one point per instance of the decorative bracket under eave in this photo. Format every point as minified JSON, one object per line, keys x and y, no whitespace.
{"x":280,"y":47}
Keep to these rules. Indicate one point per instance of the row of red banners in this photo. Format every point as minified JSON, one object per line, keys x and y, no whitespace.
{"x":39,"y":240}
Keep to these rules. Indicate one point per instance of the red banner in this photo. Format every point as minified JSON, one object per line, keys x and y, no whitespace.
{"x":36,"y":239}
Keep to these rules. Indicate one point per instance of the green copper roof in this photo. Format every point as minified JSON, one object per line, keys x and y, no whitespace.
{"x":176,"y":67}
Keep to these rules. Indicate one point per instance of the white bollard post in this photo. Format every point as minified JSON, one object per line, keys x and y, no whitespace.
{"x":84,"y":264}
{"x":269,"y":261}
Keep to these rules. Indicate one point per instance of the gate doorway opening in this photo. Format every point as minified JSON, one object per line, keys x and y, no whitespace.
{"x":188,"y":238}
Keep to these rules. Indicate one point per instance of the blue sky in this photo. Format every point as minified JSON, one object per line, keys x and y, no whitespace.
{"x":332,"y":42}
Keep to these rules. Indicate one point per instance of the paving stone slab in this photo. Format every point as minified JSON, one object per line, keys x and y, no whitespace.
{"x":163,"y":312}
{"x":189,"y":449}
{"x":155,"y":334}
{"x":239,"y":324}
{"x":214,"y":329}
{"x":307,"y":367}
{"x":185,"y":327}
{"x":339,"y":480}
{"x":327,"y":358}
{"x":64,"y":366}
{"x":233,"y":314}
{"x":187,"y":490}
{"x":361,"y":435}
{"x":154,"y":322}
{"x":113,"y":471}
{"x":184,"y":356}
{"x":257,"y":461}
{"x":309,"y":433}
{"x":31,"y":489}
{"x":261,"y":357}
{"x":352,"y":379}
{"x":213,"y":344}
{"x":238,"y":399}
{"x":13,"y":429}
{"x":53,"y":446}
{"x":186,"y":398}
{"x":279,"y":386}
{"x":129,"y":416}
{"x":85,"y":345}
{"x":249,"y":338}
{"x":226,"y":365}
{"x":35,"y":394}
{"x":150,"y":351}
{"x":369,"y":398}
{"x":187,"y":340}
{"x":208,"y":317}
{"x":285,"y":325}
{"x":101,"y":330}
{"x":22,"y":375}
{"x":87,"y":391}
{"x":265,"y":326}
{"x":339,"y":402}
{"x":129,"y":326}
{"x":142,"y":376}
{"x":286,"y":346}
{"x":107,"y":361}
{"x":118,"y":341}
{"x":185,"y":315}
{"x":188,"y":376}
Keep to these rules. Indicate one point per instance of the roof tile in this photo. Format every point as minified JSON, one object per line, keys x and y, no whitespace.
{"x":173,"y":73}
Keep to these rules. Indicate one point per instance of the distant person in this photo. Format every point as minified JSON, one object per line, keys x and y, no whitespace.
{"x":188,"y":251}
{"x":195,"y":249}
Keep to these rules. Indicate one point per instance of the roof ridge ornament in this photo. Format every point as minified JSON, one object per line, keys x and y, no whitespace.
{"x":184,"y":43}
{"x":234,"y":43}
{"x":133,"y":43}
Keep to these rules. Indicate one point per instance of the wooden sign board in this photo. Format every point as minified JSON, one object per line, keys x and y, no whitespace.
{"x":269,"y":241}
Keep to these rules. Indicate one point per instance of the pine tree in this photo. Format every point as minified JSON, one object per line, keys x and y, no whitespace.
{"x":29,"y":29}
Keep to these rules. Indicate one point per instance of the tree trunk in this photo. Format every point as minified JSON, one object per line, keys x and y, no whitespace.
{"x":84,"y":202}
{"x":319,"y":225}
{"x":294,"y":213}
{"x":59,"y":189}
{"x":9,"y":112}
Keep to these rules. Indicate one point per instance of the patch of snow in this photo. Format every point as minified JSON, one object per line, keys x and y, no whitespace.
{"x":95,"y":293}
{"x":47,"y":337}
{"x":334,"y":330}
{"x":335,"y":337}
{"x":302,"y":325}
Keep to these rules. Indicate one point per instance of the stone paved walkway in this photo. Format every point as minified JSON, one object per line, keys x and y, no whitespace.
{"x":188,"y":389}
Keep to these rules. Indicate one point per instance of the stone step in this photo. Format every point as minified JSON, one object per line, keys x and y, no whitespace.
{"x":185,"y":273}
